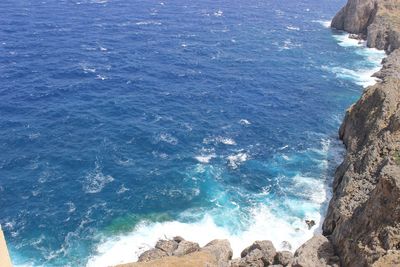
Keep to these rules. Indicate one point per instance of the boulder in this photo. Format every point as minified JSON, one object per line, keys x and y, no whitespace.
{"x":266,"y":248}
{"x":221,"y":249}
{"x":167,"y":246}
{"x":152,"y":254}
{"x":284,"y":258}
{"x":186,"y":247}
{"x":317,"y":251}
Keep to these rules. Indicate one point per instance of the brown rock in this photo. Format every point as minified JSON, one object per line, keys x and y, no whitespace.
{"x":355,"y":17}
{"x":196,"y":259}
{"x":178,"y":239}
{"x":186,"y":247}
{"x":152,"y":254}
{"x":266,"y":248}
{"x":284,"y":258}
{"x":317,"y":251}
{"x":168,"y":246}
{"x":221,"y":249}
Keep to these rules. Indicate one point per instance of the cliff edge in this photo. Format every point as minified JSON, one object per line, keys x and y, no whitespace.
{"x":378,"y":21}
{"x":363,"y":219}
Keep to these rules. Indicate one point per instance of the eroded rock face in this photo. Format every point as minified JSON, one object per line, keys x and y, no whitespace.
{"x":317,"y":251}
{"x":356,"y":16}
{"x":363,"y":218}
{"x":377,"y":20}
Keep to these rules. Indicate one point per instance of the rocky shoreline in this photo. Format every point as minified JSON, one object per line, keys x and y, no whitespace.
{"x":362,"y":226}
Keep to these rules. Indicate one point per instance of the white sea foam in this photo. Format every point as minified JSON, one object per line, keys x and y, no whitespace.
{"x":288,"y":44}
{"x":205,"y":158}
{"x":325,"y":23}
{"x":167,"y":138}
{"x":219,"y":139}
{"x":218,"y":13}
{"x":235,"y":160}
{"x":292,"y":28}
{"x":361,"y":77}
{"x":244,"y":122}
{"x":148,"y":22}
{"x":95,"y":180}
{"x":265,"y":224}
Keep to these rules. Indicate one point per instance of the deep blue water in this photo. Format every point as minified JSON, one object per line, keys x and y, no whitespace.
{"x":120,"y":118}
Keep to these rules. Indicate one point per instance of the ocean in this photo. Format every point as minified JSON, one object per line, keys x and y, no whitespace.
{"x":122,"y":122}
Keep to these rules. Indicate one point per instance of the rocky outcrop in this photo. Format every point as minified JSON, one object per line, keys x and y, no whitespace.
{"x":179,"y":252}
{"x":376,"y":20}
{"x":356,"y":16}
{"x":363,"y":219}
{"x":317,"y":251}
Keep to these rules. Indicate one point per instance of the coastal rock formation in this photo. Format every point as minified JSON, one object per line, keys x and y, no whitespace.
{"x":363,"y":220}
{"x":179,"y":252}
{"x":356,"y":16}
{"x":376,"y":20}
{"x":317,"y":251}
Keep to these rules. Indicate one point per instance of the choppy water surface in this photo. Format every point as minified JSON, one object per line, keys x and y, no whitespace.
{"x":122,"y":122}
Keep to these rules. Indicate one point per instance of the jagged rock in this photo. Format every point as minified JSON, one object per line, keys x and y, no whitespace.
{"x":317,"y":251}
{"x":364,"y":213}
{"x":186,"y":247}
{"x":355,"y":17}
{"x":284,"y":258}
{"x":152,"y":254}
{"x":265,"y":249}
{"x":310,"y":223}
{"x":378,"y":21}
{"x":178,"y":239}
{"x":167,"y":246}
{"x":221,"y":249}
{"x":363,"y":219}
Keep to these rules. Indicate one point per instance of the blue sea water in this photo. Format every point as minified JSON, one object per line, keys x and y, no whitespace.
{"x":122,"y":122}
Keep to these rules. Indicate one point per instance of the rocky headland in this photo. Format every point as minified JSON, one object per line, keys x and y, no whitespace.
{"x":362,"y":225}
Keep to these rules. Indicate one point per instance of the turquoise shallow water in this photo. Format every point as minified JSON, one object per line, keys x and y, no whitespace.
{"x":125,"y":121}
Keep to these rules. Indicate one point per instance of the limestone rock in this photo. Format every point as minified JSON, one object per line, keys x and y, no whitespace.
{"x":186,"y":247}
{"x":178,"y":239}
{"x":260,"y":251}
{"x":168,"y":246}
{"x":317,"y":251}
{"x":284,"y":258}
{"x":355,"y":17}
{"x":221,"y":249}
{"x":196,"y":259}
{"x":152,"y":254}
{"x":376,"y":20}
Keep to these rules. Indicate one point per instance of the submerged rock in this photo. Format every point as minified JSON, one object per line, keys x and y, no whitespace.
{"x":310,"y":223}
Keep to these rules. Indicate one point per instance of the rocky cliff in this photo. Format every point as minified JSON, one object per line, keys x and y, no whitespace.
{"x":363,"y":219}
{"x":378,"y":21}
